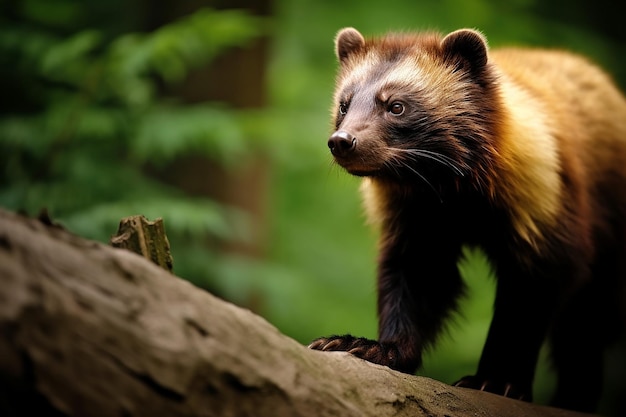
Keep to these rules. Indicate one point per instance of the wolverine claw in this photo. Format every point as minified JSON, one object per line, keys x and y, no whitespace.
{"x":506,"y":389}
{"x":386,"y":354}
{"x":334,"y":343}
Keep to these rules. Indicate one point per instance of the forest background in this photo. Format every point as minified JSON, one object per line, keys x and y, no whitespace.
{"x":215,"y":116}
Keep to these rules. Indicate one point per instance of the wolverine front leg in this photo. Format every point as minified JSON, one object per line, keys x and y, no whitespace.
{"x":398,"y":345}
{"x":417,"y":289}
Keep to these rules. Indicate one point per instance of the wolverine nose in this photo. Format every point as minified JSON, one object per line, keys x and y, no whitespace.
{"x":341,"y":143}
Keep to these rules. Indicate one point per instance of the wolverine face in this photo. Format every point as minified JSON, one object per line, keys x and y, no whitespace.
{"x":381,"y":116}
{"x":405,"y":107}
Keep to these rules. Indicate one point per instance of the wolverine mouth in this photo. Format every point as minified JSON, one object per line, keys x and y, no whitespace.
{"x":359,"y":173}
{"x":358,"y":169}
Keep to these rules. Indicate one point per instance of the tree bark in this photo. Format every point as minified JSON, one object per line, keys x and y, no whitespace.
{"x":90,"y":330}
{"x":146,"y":238}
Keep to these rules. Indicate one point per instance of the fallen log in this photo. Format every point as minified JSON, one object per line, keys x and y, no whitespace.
{"x":91,"y":330}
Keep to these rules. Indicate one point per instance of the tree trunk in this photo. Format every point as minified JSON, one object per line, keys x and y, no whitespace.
{"x":90,"y":330}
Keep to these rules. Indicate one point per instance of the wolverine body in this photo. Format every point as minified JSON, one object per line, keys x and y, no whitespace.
{"x":520,"y":152}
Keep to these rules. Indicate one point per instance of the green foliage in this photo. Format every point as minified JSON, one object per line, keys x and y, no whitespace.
{"x":92,"y":116}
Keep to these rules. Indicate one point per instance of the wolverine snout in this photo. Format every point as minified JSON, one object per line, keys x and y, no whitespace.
{"x":341,"y":143}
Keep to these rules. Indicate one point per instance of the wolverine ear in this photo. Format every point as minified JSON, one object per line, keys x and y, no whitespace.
{"x":347,"y":41}
{"x":465,"y":48}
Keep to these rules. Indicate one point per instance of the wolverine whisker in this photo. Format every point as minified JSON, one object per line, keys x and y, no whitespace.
{"x":403,"y":164}
{"x":435,"y":156}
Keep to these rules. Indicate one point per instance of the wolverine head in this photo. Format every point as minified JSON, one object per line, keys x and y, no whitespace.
{"x":412,"y":107}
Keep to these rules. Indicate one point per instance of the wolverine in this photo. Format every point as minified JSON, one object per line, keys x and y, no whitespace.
{"x":521,"y":152}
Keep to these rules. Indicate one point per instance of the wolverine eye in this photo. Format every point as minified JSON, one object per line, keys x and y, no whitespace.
{"x":343,"y":109}
{"x":396,"y":108}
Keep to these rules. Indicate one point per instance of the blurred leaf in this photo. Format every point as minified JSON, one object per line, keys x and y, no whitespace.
{"x":56,"y":12}
{"x":20,"y":132}
{"x":174,"y":49}
{"x":192,"y":218}
{"x":169,"y":131}
{"x":68,"y":59}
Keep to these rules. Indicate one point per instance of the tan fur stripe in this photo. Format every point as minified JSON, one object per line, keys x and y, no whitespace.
{"x":531,"y":185}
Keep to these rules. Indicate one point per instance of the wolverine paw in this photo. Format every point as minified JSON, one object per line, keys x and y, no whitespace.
{"x":505,"y":389}
{"x":380,"y":353}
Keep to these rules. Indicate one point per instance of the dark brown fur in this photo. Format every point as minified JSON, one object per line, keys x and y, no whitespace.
{"x":520,"y":152}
